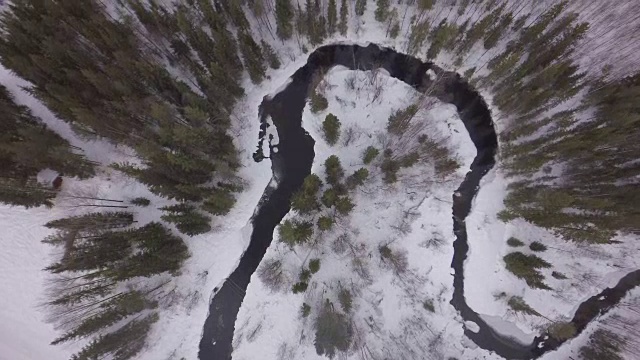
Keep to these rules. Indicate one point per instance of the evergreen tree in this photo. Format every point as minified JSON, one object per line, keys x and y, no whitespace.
{"x":333,"y":170}
{"x":395,"y":30}
{"x":93,"y":222}
{"x":426,"y":4}
{"x":318,"y":102}
{"x":604,"y":345}
{"x":417,"y":36}
{"x":305,"y":200}
{"x":223,"y":49}
{"x":333,"y":331}
{"x":329,"y":197}
{"x":111,"y":311}
{"x":253,"y":59}
{"x":219,"y":202}
{"x":325,"y":223}
{"x":332,"y":17}
{"x":478,"y":31}
{"x":26,"y":148}
{"x":370,"y":153}
{"x":357,"y":178}
{"x":344,"y":18}
{"x":25,"y":192}
{"x":100,"y":257}
{"x":237,"y":14}
{"x":187,"y":219}
{"x":440,"y":37}
{"x":270,"y":55}
{"x":361,"y":6}
{"x":315,"y":22}
{"x":284,"y":17}
{"x":492,"y":37}
{"x":462,"y":7}
{"x":600,"y":209}
{"x":141,"y":201}
{"x":533,"y":31}
{"x":344,"y":205}
{"x":95,"y":74}
{"x":295,"y":232}
{"x":157,"y":251}
{"x":123,"y":343}
{"x":389,"y":167}
{"x":400,"y":120}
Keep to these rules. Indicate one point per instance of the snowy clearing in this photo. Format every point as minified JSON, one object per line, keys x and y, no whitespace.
{"x":387,"y":305}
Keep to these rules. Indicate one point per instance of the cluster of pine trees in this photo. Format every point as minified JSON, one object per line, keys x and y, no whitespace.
{"x":600,"y":169}
{"x":98,"y":293}
{"x":321,"y":204}
{"x":316,"y":20}
{"x":592,"y":198}
{"x":27,"y":147}
{"x":318,"y":207}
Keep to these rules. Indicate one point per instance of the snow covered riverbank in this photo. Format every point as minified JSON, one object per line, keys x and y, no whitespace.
{"x":412,"y":217}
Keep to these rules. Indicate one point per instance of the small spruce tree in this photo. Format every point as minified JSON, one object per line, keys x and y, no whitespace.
{"x":187,"y":219}
{"x":284,"y":17}
{"x":344,"y":17}
{"x":333,"y":331}
{"x":318,"y":102}
{"x":382,"y":10}
{"x":325,"y":223}
{"x":357,"y":178}
{"x":361,"y":6}
{"x":329,"y":197}
{"x":331,"y":128}
{"x":294,"y":232}
{"x":314,"y":265}
{"x":333,"y":170}
{"x":270,"y":55}
{"x":219,"y":202}
{"x":370,"y":154}
{"x":305,"y":200}
{"x":332,"y":17}
{"x":344,"y":205}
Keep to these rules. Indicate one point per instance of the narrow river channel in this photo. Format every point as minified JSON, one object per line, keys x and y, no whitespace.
{"x":292,"y":162}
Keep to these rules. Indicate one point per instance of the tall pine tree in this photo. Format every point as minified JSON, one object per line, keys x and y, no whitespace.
{"x":284,"y":19}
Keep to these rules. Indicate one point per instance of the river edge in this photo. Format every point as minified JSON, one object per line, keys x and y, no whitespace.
{"x":294,"y":147}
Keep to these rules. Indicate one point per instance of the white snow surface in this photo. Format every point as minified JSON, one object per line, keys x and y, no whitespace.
{"x":386,"y":306}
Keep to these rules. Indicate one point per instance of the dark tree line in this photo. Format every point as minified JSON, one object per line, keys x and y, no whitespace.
{"x":94,"y":295}
{"x":592,"y":198}
{"x":98,"y":74}
{"x":27,"y":146}
{"x":600,"y":176}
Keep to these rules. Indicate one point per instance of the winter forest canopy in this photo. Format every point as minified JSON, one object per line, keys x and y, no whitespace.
{"x":129,"y":187}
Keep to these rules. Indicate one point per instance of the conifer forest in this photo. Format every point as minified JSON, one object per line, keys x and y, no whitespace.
{"x":312,"y":179}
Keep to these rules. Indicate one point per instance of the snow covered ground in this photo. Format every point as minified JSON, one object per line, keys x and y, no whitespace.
{"x":389,"y":315}
{"x":23,"y":331}
{"x":388,"y":312}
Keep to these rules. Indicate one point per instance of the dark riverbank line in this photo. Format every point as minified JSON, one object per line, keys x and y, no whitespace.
{"x":292,"y":163}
